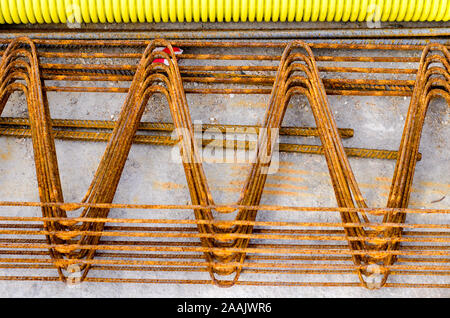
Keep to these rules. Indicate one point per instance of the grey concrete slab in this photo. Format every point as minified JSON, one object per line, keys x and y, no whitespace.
{"x":152,"y":177}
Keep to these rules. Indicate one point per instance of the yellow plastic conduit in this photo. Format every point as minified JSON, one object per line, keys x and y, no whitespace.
{"x":104,"y":11}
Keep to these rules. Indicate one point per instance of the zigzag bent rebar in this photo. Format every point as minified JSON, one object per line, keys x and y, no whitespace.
{"x":19,"y":69}
{"x":223,"y":248}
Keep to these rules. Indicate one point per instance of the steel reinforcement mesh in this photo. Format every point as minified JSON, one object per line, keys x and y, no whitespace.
{"x":76,"y":241}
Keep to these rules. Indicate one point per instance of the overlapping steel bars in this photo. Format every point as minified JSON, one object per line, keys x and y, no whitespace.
{"x":224,"y":248}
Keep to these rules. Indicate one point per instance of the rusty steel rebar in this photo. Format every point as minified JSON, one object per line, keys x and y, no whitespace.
{"x":213,"y":74}
{"x":243,"y":245}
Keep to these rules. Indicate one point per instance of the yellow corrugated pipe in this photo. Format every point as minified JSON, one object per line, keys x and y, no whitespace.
{"x":104,"y":11}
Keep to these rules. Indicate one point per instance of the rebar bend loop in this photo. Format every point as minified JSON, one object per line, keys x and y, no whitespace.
{"x":432,"y":80}
{"x":19,"y":70}
{"x":150,"y":78}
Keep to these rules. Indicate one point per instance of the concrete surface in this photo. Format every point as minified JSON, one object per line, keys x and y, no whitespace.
{"x":150,"y":176}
